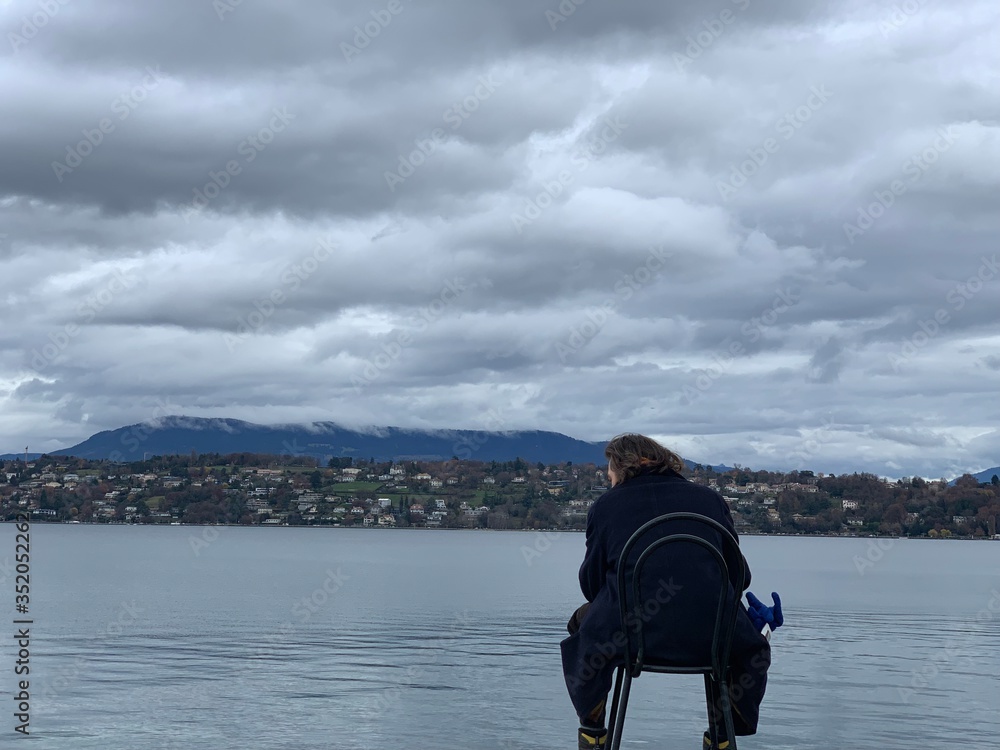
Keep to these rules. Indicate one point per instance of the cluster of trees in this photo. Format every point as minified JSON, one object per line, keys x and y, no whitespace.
{"x":907,"y":507}
{"x":215,"y":489}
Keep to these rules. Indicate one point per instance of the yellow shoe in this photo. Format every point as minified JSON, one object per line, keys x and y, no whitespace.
{"x":707,"y":743}
{"x":589,"y":738}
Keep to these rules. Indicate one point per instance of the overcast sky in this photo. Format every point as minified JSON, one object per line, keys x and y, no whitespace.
{"x":764,"y":232}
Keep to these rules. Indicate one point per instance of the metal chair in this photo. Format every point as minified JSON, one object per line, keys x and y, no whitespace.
{"x":714,"y":665}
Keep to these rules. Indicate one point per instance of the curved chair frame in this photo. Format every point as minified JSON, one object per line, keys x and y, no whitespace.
{"x":716,"y":673}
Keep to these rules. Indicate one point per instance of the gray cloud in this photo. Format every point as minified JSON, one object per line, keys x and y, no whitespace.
{"x":763,"y":232}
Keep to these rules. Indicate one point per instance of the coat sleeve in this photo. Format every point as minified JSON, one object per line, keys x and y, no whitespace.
{"x":731,"y":562}
{"x":595,"y":562}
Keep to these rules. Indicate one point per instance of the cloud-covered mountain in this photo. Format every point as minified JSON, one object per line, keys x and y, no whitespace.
{"x":323,"y":440}
{"x":179,"y":435}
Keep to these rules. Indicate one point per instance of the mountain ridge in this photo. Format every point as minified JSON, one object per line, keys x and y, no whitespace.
{"x":178,"y":434}
{"x":987,"y":474}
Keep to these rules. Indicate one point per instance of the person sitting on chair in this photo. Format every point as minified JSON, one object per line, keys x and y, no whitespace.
{"x":646,"y":482}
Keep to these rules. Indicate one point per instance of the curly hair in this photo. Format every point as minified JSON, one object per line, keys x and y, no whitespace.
{"x":629,"y":453}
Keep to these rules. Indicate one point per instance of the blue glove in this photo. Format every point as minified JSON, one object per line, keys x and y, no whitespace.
{"x":761,"y":614}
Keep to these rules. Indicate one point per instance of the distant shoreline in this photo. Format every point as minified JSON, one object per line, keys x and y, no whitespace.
{"x":440,"y":528}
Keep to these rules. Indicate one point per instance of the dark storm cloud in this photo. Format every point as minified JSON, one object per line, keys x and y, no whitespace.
{"x":764,"y":232}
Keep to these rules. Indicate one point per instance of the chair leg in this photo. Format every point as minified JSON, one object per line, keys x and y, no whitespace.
{"x":719,"y":707}
{"x":727,"y":711}
{"x":615,"y":696}
{"x":713,"y":710}
{"x":616,"y":738}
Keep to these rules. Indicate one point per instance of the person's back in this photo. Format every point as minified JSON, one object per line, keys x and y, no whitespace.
{"x":681,"y":584}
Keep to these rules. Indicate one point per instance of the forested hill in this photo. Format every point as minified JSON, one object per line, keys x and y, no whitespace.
{"x":325,"y":440}
{"x":178,"y":435}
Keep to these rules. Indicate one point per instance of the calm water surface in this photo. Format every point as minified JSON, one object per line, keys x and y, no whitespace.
{"x":151,"y":638}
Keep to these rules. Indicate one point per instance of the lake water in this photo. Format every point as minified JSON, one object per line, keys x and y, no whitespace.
{"x":165,"y":637}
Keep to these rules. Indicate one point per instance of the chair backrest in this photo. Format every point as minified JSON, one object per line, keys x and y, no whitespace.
{"x":693,"y":632}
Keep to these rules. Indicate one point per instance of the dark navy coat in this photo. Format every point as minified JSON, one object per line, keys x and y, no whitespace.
{"x":674,"y":601}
